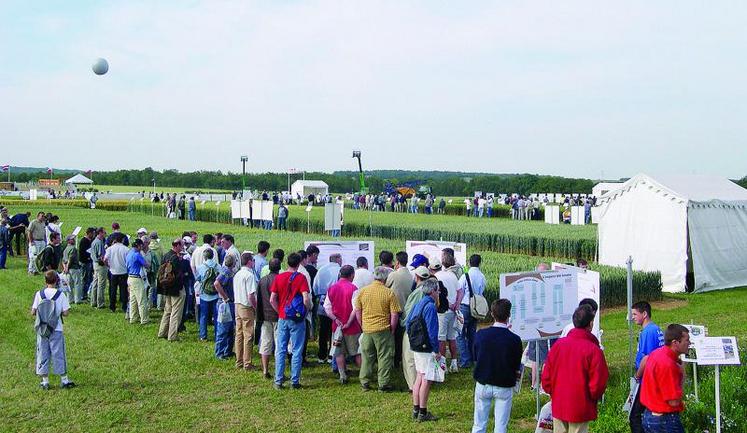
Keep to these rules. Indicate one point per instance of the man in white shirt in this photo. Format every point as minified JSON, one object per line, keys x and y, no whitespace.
{"x":471,"y":283}
{"x":363,"y":277}
{"x":198,"y":256}
{"x":245,"y":298}
{"x":116,"y":258}
{"x":446,"y":325}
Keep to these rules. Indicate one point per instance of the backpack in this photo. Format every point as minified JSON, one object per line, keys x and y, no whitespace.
{"x":46,"y":314}
{"x":295,"y":310}
{"x":418,"y":337}
{"x":39,"y":259}
{"x":206,"y":286}
{"x":478,"y":305}
{"x":166,"y":276}
{"x":443,"y":298}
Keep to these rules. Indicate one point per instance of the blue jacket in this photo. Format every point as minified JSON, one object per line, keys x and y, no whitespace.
{"x":427,"y":308}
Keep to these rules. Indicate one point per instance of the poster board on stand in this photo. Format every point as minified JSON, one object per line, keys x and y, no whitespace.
{"x":332,"y":217}
{"x":349,"y":250}
{"x":432,"y":249}
{"x":542,"y":303}
{"x":588,"y":286}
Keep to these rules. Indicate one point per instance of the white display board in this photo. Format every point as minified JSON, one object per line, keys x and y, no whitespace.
{"x":552,"y":214}
{"x":261,"y":210}
{"x":33,"y":194}
{"x":332,"y":216}
{"x":432,"y":249}
{"x":596,"y":214}
{"x":717,"y":351}
{"x":239,"y":209}
{"x":349,"y":250}
{"x":588,"y":286}
{"x":542,"y":303}
{"x":577,"y":216}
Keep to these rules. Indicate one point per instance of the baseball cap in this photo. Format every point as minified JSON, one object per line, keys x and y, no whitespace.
{"x":187,"y":240}
{"x":419,"y":260}
{"x":142,"y":230}
{"x":422,"y":272}
{"x":435,"y":264}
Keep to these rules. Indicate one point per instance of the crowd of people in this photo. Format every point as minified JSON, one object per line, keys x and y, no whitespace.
{"x":406,"y":313}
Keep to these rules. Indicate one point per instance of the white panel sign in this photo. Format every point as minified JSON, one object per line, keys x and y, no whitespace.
{"x":577,"y":216}
{"x":717,"y":351}
{"x":552,"y":214}
{"x":239,"y":209}
{"x":588,"y":286}
{"x":349,"y":250}
{"x":332,"y":216}
{"x":432,"y":249}
{"x":542,"y":303}
{"x":33,"y":194}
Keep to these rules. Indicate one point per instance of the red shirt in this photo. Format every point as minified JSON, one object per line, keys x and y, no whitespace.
{"x":575,"y":375}
{"x":286,"y":290}
{"x":662,"y":381}
{"x":340,"y":296}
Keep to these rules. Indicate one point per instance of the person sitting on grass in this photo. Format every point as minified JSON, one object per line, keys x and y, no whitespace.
{"x":50,"y":304}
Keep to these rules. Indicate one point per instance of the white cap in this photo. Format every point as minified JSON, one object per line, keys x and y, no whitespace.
{"x":187,"y":240}
{"x":142,"y":230}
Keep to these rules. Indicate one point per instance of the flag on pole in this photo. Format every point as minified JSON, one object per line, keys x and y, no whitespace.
{"x":6,"y":167}
{"x":49,"y":170}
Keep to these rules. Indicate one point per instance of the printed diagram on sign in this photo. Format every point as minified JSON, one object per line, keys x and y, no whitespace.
{"x":542,"y":303}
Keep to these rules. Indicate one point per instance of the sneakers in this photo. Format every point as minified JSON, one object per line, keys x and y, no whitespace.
{"x":44,"y":386}
{"x":426,"y":417}
{"x":268,"y":375}
{"x":386,"y":388}
{"x":365,"y":387}
{"x":453,"y":368}
{"x":296,"y":386}
{"x":415,"y":414}
{"x":343,"y":381}
{"x":68,"y":385}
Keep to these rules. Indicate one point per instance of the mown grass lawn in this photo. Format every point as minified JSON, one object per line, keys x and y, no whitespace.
{"x":130,"y":381}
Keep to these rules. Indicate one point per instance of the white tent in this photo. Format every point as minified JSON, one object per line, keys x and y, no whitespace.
{"x":78,"y":179}
{"x":306,"y":187}
{"x":693,"y":229}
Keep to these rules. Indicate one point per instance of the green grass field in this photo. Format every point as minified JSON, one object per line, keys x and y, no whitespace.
{"x":149,"y":188}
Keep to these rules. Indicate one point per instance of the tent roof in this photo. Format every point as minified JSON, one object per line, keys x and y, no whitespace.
{"x":79,"y":178}
{"x":311,"y":183}
{"x":693,"y":188}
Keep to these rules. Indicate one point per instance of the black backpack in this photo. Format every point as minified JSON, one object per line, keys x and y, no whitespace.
{"x":418,"y":337}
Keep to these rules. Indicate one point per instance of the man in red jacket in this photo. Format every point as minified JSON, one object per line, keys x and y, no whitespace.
{"x":575,"y":375}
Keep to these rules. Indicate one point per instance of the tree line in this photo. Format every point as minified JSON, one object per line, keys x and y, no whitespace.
{"x":441,"y":183}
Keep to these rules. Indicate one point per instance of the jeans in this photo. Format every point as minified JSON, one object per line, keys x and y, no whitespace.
{"x":466,"y":338}
{"x":325,"y":336}
{"x":189,"y":302}
{"x":87,"y":269}
{"x":295,"y":332}
{"x":636,"y":414}
{"x":3,"y":255}
{"x":490,"y":212}
{"x":208,"y":311}
{"x":191,"y":215}
{"x":480,"y":212}
{"x":484,"y":397}
{"x":224,"y":336}
{"x":666,"y":423}
{"x":282,"y":224}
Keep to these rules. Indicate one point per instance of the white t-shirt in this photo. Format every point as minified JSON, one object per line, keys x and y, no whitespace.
{"x":116,"y":256}
{"x":363,"y":277}
{"x":450,"y":282}
{"x":197,"y":258}
{"x":61,"y":304}
{"x":244,"y":284}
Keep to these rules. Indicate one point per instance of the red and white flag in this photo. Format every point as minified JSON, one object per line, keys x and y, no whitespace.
{"x":6,"y":167}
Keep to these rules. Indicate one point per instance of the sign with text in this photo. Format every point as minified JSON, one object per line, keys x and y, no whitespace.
{"x":431,"y":249}
{"x":349,"y":250}
{"x":542,"y":303}
{"x":717,"y":351}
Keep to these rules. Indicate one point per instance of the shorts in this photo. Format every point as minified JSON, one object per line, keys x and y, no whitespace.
{"x":446,"y":330}
{"x":422,"y":359}
{"x":350,"y":345}
{"x":532,"y":352}
{"x":267,"y":338}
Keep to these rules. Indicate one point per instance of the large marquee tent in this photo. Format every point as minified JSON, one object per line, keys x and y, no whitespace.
{"x":306,"y":187}
{"x":693,"y":229}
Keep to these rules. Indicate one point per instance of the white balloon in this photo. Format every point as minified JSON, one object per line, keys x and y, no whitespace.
{"x":100,"y":66}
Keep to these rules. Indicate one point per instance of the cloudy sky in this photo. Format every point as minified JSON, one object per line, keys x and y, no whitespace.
{"x":569,"y":88}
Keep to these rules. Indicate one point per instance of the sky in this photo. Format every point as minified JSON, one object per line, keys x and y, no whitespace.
{"x":580,"y":89}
